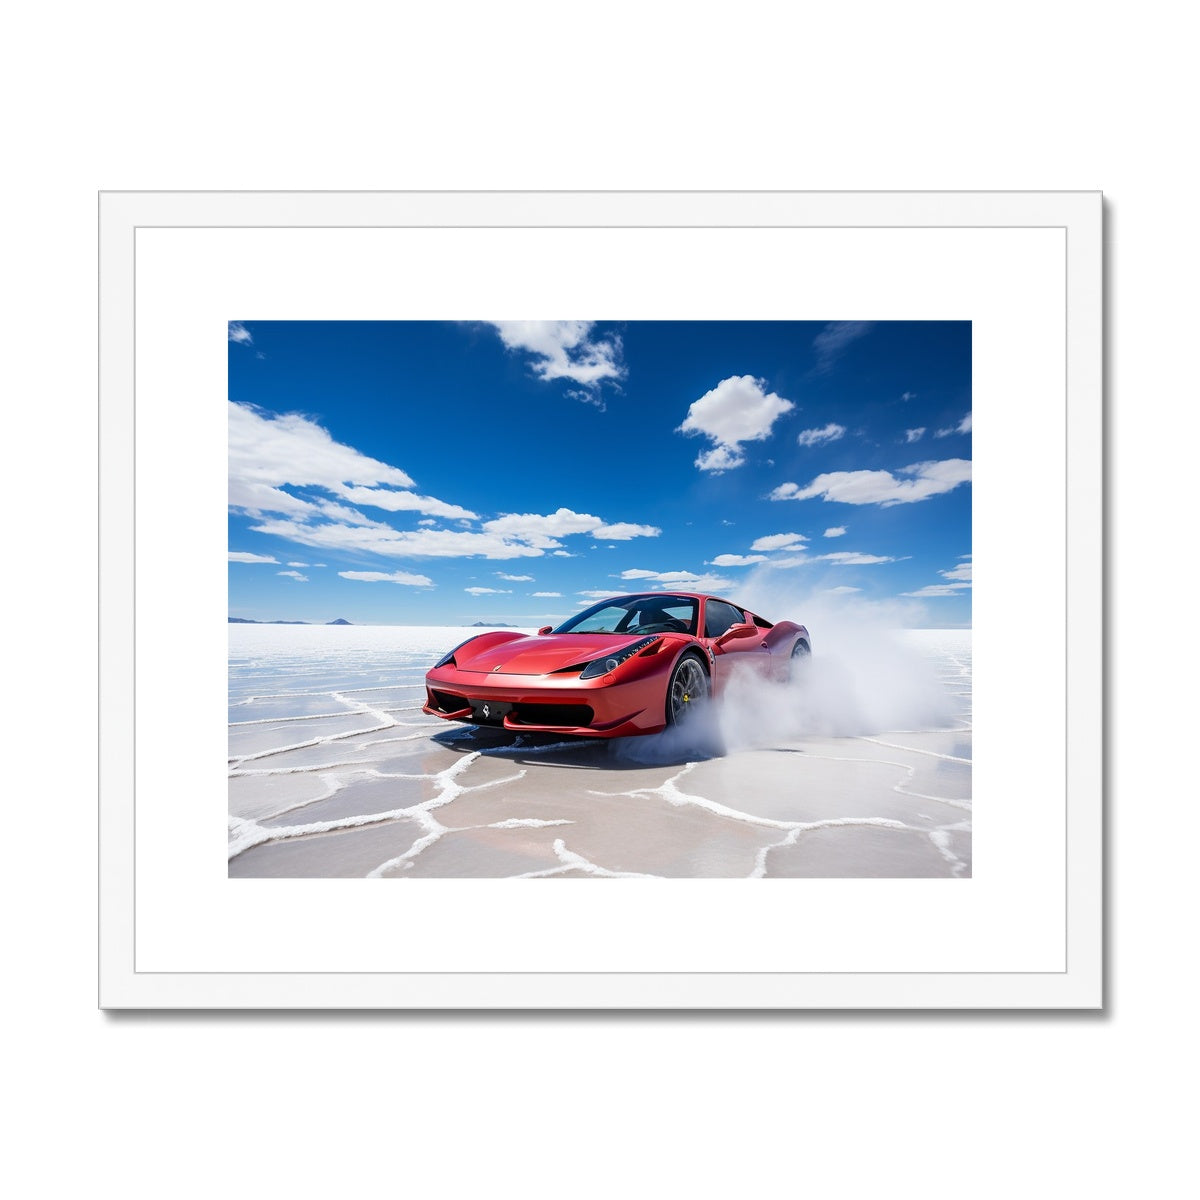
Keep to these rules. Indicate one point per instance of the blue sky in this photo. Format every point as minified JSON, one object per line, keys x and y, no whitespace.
{"x":451,"y":472}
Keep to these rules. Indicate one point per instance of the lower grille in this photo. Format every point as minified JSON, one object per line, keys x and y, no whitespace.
{"x":566,"y":715}
{"x":446,"y":702}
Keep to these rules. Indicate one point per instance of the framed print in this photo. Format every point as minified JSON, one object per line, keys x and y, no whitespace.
{"x":569,"y":600}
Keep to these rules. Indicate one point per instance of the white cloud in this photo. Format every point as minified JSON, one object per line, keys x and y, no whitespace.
{"x":547,"y":595}
{"x":427,"y":521}
{"x":244,"y":556}
{"x":404,"y":502}
{"x":593,"y":595}
{"x":850,"y":558}
{"x":881,"y":487}
{"x":909,"y":396}
{"x":376,"y":538}
{"x":297,"y":564}
{"x":737,"y":560}
{"x":482,"y":591}
{"x":686,"y":580}
{"x":294,"y":575}
{"x":814,"y":437}
{"x":383,"y":577}
{"x":239,"y":333}
{"x":544,"y":530}
{"x":267,"y":452}
{"x":835,"y":531}
{"x":938,"y":589}
{"x":737,"y":410}
{"x":831,"y":342}
{"x":564,"y":554}
{"x":565,"y":350}
{"x":914,"y":435}
{"x":516,"y":578}
{"x":839,"y":591}
{"x":959,"y":577}
{"x":779,"y":541}
{"x":964,"y":426}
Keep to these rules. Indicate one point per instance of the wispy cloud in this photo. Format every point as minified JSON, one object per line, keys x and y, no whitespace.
{"x":779,"y":541}
{"x":958,"y":577}
{"x":739,"y":409}
{"x":914,"y":435}
{"x":547,"y":595}
{"x":816,"y":437}
{"x":402,"y":577}
{"x":294,"y":575}
{"x":486,"y":591}
{"x":244,"y":556}
{"x":737,"y":560}
{"x":964,"y":426}
{"x":239,"y":333}
{"x":882,"y":487}
{"x":515,"y":578}
{"x":830,"y":344}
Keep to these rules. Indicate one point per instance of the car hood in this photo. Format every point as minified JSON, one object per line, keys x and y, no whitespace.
{"x":541,"y":655}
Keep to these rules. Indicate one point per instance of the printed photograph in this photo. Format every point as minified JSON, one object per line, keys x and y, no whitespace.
{"x":600,"y":599}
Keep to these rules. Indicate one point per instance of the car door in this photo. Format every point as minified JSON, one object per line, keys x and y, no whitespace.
{"x":730,"y":652}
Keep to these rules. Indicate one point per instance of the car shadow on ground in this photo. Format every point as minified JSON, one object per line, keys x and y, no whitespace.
{"x":695,"y":742}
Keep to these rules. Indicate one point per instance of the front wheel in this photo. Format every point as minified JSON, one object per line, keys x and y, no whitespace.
{"x":687,"y":690}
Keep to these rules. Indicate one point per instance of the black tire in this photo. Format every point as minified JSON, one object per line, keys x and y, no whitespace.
{"x":800,"y":656}
{"x":687,"y":690}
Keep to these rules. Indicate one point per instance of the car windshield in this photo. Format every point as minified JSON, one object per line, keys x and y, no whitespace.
{"x":655,"y":613}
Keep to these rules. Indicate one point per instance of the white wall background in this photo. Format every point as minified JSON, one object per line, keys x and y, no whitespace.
{"x":540,"y":95}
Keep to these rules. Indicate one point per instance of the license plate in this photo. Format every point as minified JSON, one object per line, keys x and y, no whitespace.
{"x":491,"y":712}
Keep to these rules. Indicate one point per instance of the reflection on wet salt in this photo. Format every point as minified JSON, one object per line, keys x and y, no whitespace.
{"x":861,"y":767}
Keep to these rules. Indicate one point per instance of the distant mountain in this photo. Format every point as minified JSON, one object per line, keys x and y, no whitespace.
{"x":492,"y":625}
{"x":248,"y":621}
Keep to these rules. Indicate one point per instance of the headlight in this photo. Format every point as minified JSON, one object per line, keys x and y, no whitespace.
{"x":610,"y":662}
{"x":449,"y":656}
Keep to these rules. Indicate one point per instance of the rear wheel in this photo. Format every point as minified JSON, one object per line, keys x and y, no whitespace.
{"x":687,"y":690}
{"x":800,"y":656}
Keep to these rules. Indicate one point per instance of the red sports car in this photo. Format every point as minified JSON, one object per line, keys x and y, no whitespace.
{"x":627,"y":665}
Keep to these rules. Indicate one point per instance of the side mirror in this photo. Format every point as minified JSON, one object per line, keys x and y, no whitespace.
{"x":545,"y":629}
{"x":736,"y":632}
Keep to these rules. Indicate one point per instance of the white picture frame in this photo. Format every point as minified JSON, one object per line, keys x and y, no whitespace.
{"x":175,"y":932}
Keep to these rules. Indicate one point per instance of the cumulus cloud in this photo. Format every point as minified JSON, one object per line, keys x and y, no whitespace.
{"x":882,"y":487}
{"x":831,"y":343}
{"x":687,"y":581}
{"x":815,"y":437}
{"x":516,"y":578}
{"x":403,"y":577}
{"x":835,"y":531}
{"x":543,"y":530}
{"x":547,"y":595}
{"x":566,"y":350}
{"x":737,"y":410}
{"x":244,"y":556}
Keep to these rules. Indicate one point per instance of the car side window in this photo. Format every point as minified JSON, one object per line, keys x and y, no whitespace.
{"x":718,"y":617}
